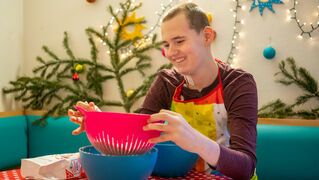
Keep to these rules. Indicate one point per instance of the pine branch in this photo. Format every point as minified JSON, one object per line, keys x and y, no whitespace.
{"x":302,"y":79}
{"x":66,"y":46}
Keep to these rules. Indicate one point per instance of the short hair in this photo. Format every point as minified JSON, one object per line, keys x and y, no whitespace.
{"x":197,"y":18}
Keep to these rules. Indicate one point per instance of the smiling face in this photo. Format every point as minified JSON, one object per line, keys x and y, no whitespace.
{"x":184,"y":47}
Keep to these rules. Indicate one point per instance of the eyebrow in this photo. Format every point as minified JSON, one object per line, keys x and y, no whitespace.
{"x":175,"y":38}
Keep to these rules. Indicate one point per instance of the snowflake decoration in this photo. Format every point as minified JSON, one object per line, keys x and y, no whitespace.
{"x":264,"y":3}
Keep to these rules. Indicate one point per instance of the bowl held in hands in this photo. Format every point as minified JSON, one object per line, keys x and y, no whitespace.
{"x":118,"y":133}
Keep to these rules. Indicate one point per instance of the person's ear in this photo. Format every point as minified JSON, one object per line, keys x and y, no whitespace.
{"x":209,"y":35}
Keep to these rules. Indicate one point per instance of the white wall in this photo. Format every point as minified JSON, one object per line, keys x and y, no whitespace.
{"x":11,"y":47}
{"x":46,"y":20}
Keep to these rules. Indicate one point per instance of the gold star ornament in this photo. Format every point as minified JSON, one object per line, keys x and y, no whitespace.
{"x":138,"y":27}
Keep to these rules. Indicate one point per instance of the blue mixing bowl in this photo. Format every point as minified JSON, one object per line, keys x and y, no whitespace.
{"x":173,"y":161}
{"x":111,"y":167}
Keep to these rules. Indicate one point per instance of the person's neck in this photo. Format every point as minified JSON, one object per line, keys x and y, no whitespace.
{"x":204,"y":76}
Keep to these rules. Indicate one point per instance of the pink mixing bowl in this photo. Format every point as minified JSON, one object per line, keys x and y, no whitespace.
{"x":118,"y":133}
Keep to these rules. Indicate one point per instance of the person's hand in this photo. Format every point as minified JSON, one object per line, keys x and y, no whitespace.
{"x":78,"y":118}
{"x":176,"y":129}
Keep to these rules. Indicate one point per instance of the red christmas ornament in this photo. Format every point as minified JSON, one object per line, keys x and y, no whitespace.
{"x":163,"y":52}
{"x":75,"y":77}
{"x":90,"y":1}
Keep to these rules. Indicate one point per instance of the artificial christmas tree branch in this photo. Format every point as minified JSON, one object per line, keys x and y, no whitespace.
{"x":58,"y":83}
{"x":302,"y":79}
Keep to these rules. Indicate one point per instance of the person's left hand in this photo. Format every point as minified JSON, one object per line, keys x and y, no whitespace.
{"x":176,"y":129}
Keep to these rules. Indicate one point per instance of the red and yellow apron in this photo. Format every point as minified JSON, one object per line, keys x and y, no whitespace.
{"x":206,"y":114}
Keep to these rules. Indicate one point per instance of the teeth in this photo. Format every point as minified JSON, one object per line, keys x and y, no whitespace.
{"x":179,"y":60}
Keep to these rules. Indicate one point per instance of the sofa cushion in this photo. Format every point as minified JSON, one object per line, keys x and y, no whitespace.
{"x":54,"y":138}
{"x":13,"y":138}
{"x":287,"y":152}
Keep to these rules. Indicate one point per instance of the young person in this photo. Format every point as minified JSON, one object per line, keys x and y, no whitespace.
{"x":210,"y":108}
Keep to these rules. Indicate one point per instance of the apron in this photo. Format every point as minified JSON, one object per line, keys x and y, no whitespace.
{"x":207,"y":115}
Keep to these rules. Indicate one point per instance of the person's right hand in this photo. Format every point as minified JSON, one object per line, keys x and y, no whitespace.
{"x":78,"y":118}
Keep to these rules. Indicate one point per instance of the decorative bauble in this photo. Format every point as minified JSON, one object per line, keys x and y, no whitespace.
{"x":75,"y":77}
{"x":269,"y":52}
{"x":209,"y":17}
{"x":163,"y":51}
{"x":79,"y":68}
{"x":90,"y":1}
{"x":129,"y":92}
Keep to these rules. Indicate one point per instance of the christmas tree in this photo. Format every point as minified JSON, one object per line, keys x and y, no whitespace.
{"x":302,"y":79}
{"x":61,"y":82}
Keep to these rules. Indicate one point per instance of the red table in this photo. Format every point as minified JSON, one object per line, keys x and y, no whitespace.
{"x":192,"y":175}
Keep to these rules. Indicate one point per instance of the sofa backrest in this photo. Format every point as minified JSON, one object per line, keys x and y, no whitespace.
{"x":13,"y":139}
{"x":54,"y":138}
{"x":20,"y":139}
{"x":287,"y":152}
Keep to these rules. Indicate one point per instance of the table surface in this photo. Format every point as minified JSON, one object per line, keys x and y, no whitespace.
{"x":192,"y":175}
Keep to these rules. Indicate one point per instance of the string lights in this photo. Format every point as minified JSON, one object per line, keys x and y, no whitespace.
{"x":147,"y":36}
{"x":301,"y":25}
{"x":232,"y":56}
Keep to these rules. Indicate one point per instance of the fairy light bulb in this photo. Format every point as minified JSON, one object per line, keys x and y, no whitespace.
{"x":243,"y":8}
{"x":235,"y":60}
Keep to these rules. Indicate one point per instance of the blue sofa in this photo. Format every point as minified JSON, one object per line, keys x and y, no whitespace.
{"x":283,"y":152}
{"x":20,"y":139}
{"x":287,"y":152}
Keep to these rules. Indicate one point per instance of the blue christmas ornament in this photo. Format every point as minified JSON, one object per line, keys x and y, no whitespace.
{"x":269,"y":52}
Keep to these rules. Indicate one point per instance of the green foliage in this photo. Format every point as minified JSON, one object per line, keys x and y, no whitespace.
{"x":302,"y":79}
{"x":52,"y":85}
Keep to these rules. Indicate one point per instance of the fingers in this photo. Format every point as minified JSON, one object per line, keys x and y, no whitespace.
{"x":77,"y":120}
{"x":83,"y":105}
{"x":155,"y":126}
{"x":169,"y":112}
{"x":74,"y":113}
{"x":161,"y":116}
{"x":78,"y":130}
{"x":159,"y":139}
